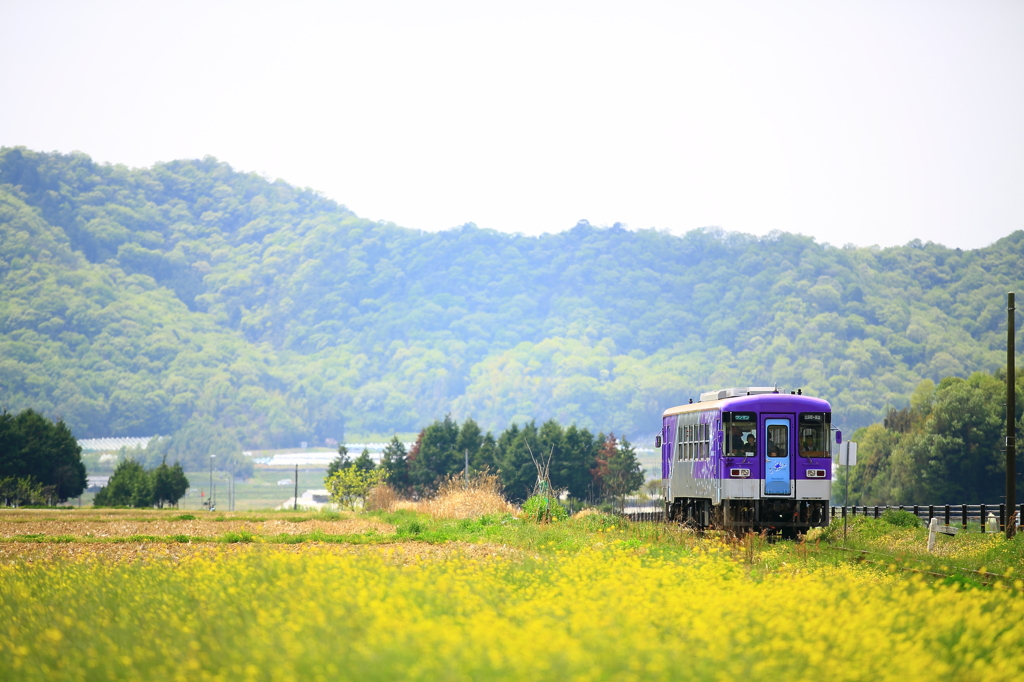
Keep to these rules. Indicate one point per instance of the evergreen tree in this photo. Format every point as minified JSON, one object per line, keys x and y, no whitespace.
{"x":518,"y":472}
{"x":395,"y":463}
{"x":33,"y":447}
{"x":469,"y":441}
{"x":169,"y":484}
{"x":340,"y":462}
{"x":437,"y":456}
{"x":363,"y":462}
{"x":625,"y":475}
{"x":572,"y":470}
{"x":485,"y":458}
{"x":130,"y":486}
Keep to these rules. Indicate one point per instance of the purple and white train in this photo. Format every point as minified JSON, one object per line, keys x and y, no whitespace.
{"x":748,"y":458}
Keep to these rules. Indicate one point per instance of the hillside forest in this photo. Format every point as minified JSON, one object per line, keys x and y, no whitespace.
{"x":191,"y":298}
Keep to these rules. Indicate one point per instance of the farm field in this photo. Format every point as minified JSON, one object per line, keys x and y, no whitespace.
{"x":130,"y":594}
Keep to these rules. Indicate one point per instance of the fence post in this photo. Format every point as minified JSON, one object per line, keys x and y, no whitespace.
{"x":963,"y":514}
{"x":916,"y":510}
{"x":931,"y":512}
{"x":984,"y":521}
{"x":876,"y":511}
{"x":1002,"y":518}
{"x":947,"y":514}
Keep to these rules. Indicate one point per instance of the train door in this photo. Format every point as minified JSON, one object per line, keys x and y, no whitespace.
{"x":778,"y":457}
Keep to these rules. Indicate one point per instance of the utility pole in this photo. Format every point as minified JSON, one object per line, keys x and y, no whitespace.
{"x":846,"y":493}
{"x":1011,"y":424}
{"x":211,"y":482}
{"x":296,"y":502}
{"x":466,"y":471}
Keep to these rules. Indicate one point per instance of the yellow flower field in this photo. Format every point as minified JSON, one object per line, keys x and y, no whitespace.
{"x":314,"y":612}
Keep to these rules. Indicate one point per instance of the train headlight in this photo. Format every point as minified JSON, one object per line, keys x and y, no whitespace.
{"x":739,"y":473}
{"x":815,"y":473}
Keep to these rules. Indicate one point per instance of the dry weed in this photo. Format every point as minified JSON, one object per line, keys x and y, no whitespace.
{"x":382,"y":498}
{"x":459,"y":499}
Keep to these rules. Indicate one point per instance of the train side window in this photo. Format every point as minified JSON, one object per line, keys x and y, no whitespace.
{"x":679,"y":443}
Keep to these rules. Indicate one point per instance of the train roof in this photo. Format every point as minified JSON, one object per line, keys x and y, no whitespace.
{"x":781,"y":402}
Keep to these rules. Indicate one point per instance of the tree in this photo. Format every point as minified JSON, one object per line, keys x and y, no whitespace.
{"x":340,"y":462}
{"x":18,"y":492}
{"x":601,"y":471}
{"x":395,"y":464}
{"x":436,"y":457}
{"x":130,"y":486}
{"x":469,"y":440}
{"x":486,"y":458}
{"x":577,"y":456}
{"x":351,"y":484}
{"x":364,"y":462}
{"x":625,"y":474}
{"x":169,"y":484}
{"x":518,"y":472}
{"x":944,"y":448}
{"x":32,"y":447}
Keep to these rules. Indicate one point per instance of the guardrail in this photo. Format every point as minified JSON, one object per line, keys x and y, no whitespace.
{"x":984,"y":515}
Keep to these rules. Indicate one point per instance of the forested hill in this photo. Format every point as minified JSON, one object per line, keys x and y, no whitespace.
{"x":133,"y":301}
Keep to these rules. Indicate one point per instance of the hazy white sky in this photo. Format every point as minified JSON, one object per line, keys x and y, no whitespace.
{"x":855,"y":122}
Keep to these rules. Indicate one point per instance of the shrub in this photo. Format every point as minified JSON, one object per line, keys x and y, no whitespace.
{"x":542,"y":508}
{"x":901,"y":518}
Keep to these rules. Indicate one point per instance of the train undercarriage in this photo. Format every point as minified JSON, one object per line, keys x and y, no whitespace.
{"x":785,"y":517}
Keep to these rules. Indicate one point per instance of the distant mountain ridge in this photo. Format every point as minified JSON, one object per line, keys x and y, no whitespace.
{"x":137,"y":300}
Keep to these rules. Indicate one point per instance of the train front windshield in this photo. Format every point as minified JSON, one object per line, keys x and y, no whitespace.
{"x":814,"y":428}
{"x":741,"y":434}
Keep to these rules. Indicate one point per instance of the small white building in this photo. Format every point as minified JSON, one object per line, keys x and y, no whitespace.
{"x":311,"y":499}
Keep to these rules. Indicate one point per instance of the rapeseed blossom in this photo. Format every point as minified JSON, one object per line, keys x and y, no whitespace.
{"x":264,"y":612}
